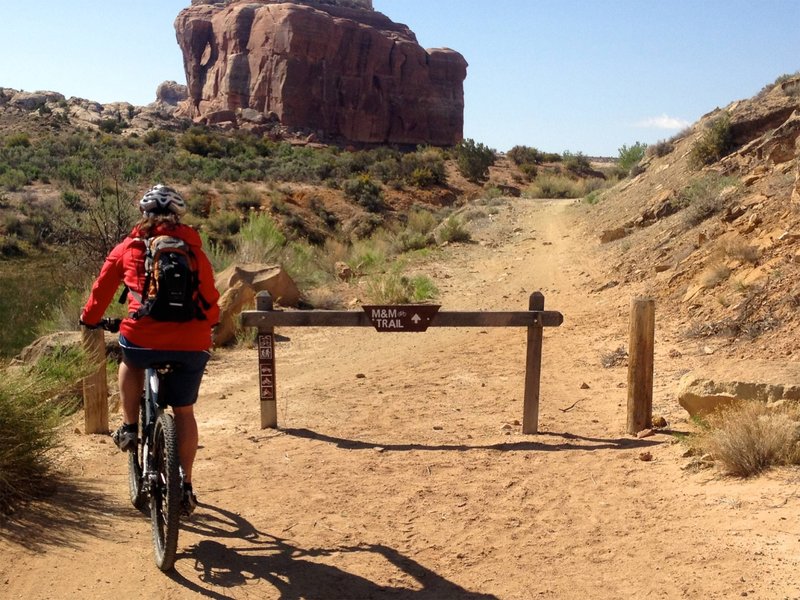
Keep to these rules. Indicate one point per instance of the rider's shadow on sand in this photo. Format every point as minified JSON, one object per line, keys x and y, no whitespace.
{"x":233,"y":553}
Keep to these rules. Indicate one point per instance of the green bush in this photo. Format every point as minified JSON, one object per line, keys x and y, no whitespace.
{"x":578,"y":164}
{"x":395,"y":288}
{"x":13,"y":180}
{"x":365,"y":192}
{"x":631,"y":156}
{"x":111,"y":125}
{"x":260,"y":240}
{"x":715,"y":142}
{"x":474,"y":159}
{"x":453,"y":230}
{"x":554,"y":186}
{"x":16,"y":140}
{"x":522,"y":155}
{"x":73,"y":201}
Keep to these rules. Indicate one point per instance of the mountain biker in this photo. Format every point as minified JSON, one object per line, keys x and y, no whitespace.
{"x":145,"y":341}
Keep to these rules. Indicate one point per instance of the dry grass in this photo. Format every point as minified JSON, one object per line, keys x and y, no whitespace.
{"x":714,"y":274}
{"x":751,"y":437}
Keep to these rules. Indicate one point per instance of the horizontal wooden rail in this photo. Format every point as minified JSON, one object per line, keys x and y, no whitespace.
{"x":332,"y":318}
{"x":396,"y":319}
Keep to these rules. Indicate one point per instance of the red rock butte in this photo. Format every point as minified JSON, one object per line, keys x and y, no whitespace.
{"x":334,"y":67}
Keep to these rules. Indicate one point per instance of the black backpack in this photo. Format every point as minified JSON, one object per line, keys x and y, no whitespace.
{"x":171,"y":281}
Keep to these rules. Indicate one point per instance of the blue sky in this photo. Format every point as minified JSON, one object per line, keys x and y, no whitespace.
{"x":559,"y":75}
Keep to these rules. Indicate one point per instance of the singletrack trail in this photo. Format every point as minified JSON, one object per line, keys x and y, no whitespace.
{"x":400,"y":471}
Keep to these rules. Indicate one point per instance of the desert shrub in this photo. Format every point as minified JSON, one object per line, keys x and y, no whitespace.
{"x":221,"y":226}
{"x":424,"y":168}
{"x":474,"y":159}
{"x":21,"y":139}
{"x":28,"y":422}
{"x":10,"y":246}
{"x":713,"y":144}
{"x":530,"y":170}
{"x":738,"y":249}
{"x":660,"y":149}
{"x":522,"y":155}
{"x":631,"y":156}
{"x":395,"y":288}
{"x":554,"y":186}
{"x":73,"y":201}
{"x":592,"y":197}
{"x":453,"y":230}
{"x":13,"y":180}
{"x":111,"y":125}
{"x":158,"y":136}
{"x":259,"y":240}
{"x":703,"y":198}
{"x":365,"y":192}
{"x":578,"y":164}
{"x":751,"y":437}
{"x":247,"y":198}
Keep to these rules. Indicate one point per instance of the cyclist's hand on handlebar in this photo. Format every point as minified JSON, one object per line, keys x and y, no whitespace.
{"x":111,"y":325}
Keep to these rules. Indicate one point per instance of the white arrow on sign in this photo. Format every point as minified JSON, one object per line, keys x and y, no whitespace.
{"x":416,"y":318}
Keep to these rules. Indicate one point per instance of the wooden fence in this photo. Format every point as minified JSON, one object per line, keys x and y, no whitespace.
{"x":399,"y":318}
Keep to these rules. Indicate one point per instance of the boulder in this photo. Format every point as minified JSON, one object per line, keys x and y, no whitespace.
{"x":612,"y":235}
{"x":53,"y":343}
{"x":239,"y":285}
{"x":261,"y":278}
{"x":334,"y":67}
{"x":703,"y":394}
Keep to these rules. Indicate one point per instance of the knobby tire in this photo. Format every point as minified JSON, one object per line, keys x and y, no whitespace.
{"x":165,"y":503}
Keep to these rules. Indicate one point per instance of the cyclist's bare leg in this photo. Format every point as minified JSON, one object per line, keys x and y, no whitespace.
{"x":131,"y":381}
{"x":186,"y":427}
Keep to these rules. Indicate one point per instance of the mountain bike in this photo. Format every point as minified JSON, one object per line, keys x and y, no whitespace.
{"x":155,"y":478}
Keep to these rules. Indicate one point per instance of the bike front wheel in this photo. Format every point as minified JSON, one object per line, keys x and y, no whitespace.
{"x":165,"y":501}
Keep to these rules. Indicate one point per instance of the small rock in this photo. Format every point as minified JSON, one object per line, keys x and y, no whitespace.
{"x":584,"y":386}
{"x":77,"y":431}
{"x":645,"y":433}
{"x":517,"y":423}
{"x":675,"y":353}
{"x":645,"y":456}
{"x":360,"y":376}
{"x":507,"y":427}
{"x":660,"y":422}
{"x":708,"y":350}
{"x":438,"y":427}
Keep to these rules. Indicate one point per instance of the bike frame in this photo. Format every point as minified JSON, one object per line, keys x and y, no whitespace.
{"x":152,"y":409}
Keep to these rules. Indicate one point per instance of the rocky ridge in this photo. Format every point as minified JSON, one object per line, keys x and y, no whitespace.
{"x":719,"y":246}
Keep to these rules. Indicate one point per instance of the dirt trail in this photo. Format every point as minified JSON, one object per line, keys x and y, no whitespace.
{"x":400,"y":470}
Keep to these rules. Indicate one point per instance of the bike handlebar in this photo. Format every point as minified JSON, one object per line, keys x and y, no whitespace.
{"x":106,"y":323}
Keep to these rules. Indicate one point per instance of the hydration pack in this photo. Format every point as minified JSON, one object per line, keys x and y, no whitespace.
{"x":170,"y":290}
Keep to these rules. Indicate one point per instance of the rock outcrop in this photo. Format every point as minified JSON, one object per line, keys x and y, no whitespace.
{"x":341,"y":72}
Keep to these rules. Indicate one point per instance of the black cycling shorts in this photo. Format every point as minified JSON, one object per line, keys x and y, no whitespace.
{"x":182,"y":384}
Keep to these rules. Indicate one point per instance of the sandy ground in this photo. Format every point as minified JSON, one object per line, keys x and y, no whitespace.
{"x":400,"y":470}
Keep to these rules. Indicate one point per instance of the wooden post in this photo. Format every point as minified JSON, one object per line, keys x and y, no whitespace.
{"x":640,"y":365}
{"x":533,"y":368}
{"x":95,"y":385}
{"x":266,"y":366}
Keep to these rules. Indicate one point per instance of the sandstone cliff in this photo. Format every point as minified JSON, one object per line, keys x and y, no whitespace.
{"x":347,"y":73}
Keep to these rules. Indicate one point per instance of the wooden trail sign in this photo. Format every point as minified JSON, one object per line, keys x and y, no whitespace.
{"x":397,"y":319}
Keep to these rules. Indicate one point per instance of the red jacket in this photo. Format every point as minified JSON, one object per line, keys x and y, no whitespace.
{"x":125,"y":264}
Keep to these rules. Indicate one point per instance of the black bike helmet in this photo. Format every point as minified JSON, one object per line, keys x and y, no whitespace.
{"x":162,"y":200}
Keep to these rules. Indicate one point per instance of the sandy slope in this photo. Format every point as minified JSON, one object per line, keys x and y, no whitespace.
{"x":400,"y":471}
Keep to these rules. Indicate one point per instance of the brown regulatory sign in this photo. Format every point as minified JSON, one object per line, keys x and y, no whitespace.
{"x":401,"y":317}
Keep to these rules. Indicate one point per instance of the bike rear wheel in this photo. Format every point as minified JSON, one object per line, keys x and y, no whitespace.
{"x":165,"y":502}
{"x":136,"y":465}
